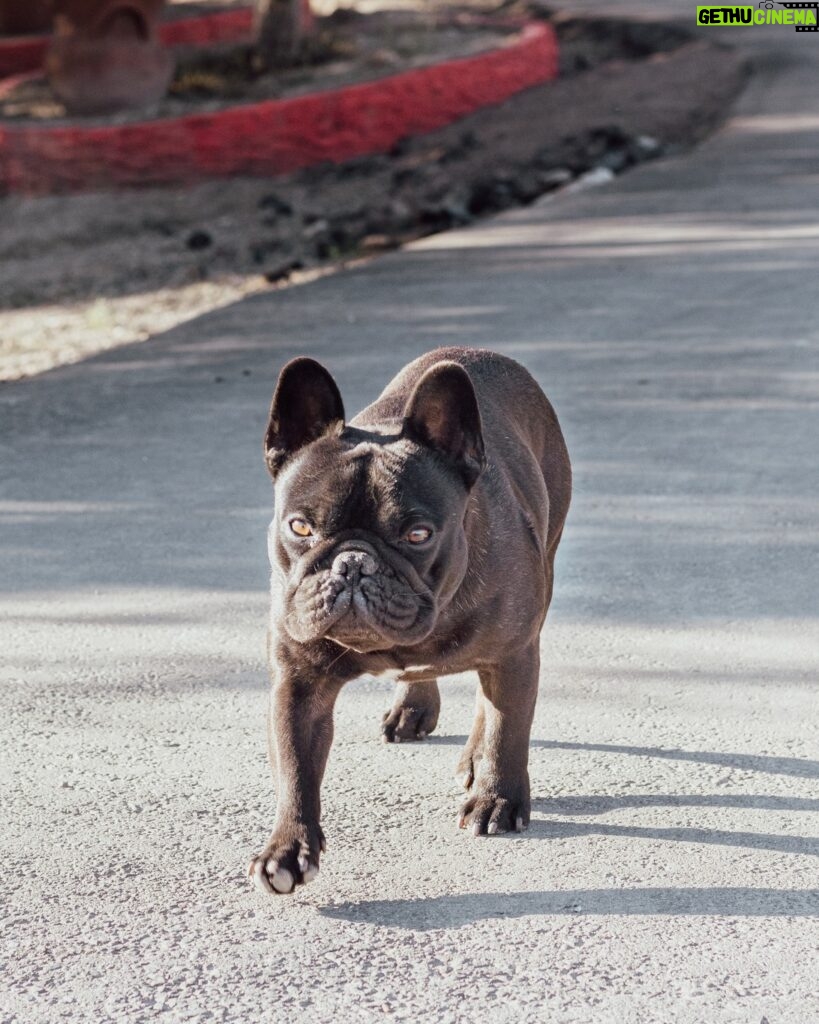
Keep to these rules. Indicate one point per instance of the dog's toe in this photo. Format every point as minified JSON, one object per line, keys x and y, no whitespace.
{"x":490,"y":814}
{"x":280,"y":878}
{"x":404,"y":724}
{"x":290,"y":859}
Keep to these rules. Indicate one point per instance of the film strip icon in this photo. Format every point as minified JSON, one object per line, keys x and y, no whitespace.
{"x":800,"y":7}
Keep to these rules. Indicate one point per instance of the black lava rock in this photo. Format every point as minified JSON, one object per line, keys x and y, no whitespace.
{"x":198,"y":240}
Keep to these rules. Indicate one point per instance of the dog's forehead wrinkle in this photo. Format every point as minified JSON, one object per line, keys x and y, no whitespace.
{"x":366,"y":482}
{"x":388,"y":453}
{"x":362,"y":451}
{"x":378,"y":471}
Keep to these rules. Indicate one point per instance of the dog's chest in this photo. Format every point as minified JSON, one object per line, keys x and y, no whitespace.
{"x":407,"y":674}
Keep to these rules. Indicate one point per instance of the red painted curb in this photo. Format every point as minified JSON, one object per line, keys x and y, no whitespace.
{"x":221,"y":27}
{"x":20,"y":54}
{"x":276,"y":136}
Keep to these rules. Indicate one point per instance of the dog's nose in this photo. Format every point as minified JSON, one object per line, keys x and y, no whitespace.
{"x":352,"y":564}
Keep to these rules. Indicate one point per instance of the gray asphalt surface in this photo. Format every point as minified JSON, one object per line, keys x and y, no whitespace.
{"x":670,"y":873}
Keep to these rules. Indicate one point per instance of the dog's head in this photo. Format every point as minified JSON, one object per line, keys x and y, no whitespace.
{"x":369,"y":526}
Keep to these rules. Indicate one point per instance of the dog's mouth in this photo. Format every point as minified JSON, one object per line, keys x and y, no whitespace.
{"x":361,"y":641}
{"x":361,"y":602}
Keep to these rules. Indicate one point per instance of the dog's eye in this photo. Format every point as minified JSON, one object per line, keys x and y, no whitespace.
{"x":419,"y":535}
{"x":301,"y":528}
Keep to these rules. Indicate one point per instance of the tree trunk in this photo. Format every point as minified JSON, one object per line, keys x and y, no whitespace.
{"x":282,"y":27}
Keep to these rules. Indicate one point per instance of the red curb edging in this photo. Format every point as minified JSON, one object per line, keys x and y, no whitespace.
{"x":221,"y":27}
{"x":275,"y":136}
{"x":27,"y":53}
{"x":21,"y":54}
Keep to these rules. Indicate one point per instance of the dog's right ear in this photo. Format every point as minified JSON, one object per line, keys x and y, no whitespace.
{"x":306,"y":406}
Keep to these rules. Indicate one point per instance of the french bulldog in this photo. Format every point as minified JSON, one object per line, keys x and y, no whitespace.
{"x":419,"y":539}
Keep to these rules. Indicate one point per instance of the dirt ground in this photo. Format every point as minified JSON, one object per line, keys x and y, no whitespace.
{"x":345,"y":48}
{"x":79,"y":274}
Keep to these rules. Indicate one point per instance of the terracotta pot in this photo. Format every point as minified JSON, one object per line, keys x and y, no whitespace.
{"x":105,"y":55}
{"x":24,"y":17}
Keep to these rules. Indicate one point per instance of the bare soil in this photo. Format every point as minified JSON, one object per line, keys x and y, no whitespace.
{"x":346,"y":47}
{"x":83,"y":273}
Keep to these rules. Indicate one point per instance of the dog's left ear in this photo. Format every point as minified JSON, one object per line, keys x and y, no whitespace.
{"x":442,"y":413}
{"x":306,"y":406}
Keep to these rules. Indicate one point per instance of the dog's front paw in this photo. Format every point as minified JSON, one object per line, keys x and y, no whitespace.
{"x":290,"y":858}
{"x":401,"y":724}
{"x":414,"y":714}
{"x":490,"y":812}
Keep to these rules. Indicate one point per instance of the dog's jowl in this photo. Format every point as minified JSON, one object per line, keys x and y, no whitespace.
{"x":417,"y":538}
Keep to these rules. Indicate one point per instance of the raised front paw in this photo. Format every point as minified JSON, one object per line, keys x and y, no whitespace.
{"x":493,"y":811}
{"x":290,"y":858}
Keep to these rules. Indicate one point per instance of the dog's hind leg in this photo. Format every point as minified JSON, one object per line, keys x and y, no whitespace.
{"x":467,"y":767}
{"x":414,"y":714}
{"x":498,"y":800}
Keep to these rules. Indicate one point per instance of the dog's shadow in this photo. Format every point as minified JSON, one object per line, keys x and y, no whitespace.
{"x":455,"y":911}
{"x":767,"y":764}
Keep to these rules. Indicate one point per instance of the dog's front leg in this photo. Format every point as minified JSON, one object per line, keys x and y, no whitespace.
{"x":499,"y":799}
{"x":301,"y":734}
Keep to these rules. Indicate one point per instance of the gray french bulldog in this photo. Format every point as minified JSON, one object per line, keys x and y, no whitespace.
{"x":419,"y":539}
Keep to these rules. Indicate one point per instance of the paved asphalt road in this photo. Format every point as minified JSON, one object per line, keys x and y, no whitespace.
{"x":671,"y":871}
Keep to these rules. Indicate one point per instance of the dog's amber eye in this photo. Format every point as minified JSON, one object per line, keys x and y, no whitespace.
{"x":419,"y":535}
{"x":301,"y":528}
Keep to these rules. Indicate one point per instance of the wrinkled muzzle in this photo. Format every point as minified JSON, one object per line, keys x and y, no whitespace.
{"x":358,"y":599}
